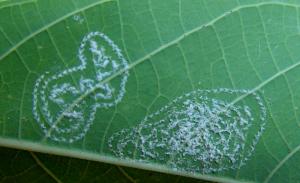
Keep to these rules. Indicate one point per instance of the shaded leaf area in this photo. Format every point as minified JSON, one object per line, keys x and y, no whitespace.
{"x":165,"y":56}
{"x":24,"y":166}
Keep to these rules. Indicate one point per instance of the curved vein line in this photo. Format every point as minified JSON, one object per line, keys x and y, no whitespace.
{"x":283,"y":71}
{"x":16,"y":4}
{"x":5,"y":54}
{"x":281,"y":163}
{"x":41,"y":164}
{"x":174,"y":42}
{"x":286,"y":158}
{"x":24,"y":40}
{"x":126,"y":175}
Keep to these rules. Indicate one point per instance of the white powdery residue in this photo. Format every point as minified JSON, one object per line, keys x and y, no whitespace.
{"x":86,"y":84}
{"x":102,"y":75}
{"x":115,"y":65}
{"x":59,"y":106}
{"x":58,"y":91}
{"x":100,"y":59}
{"x":195,"y":133}
{"x":78,"y":18}
{"x":74,"y":114}
{"x":107,"y":94}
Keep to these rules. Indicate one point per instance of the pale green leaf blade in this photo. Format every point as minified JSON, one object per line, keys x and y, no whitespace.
{"x":59,"y":95}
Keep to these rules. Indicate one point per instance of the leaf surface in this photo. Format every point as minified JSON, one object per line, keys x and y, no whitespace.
{"x":23,"y":166}
{"x":206,"y":89}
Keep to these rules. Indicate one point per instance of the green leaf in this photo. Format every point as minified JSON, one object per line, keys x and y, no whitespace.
{"x":207,"y":89}
{"x":23,"y":166}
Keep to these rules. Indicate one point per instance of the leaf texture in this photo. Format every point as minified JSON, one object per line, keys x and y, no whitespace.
{"x":73,"y":74}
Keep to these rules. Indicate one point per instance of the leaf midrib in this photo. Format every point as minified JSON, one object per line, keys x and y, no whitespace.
{"x":236,"y":100}
{"x":281,"y":163}
{"x":47,"y":26}
{"x":15,"y":4}
{"x":175,"y":41}
{"x":93,"y":156}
